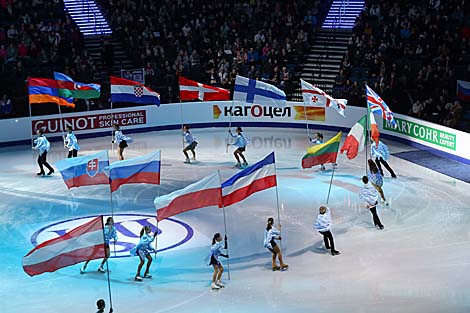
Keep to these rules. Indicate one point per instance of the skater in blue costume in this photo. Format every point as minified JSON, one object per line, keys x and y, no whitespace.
{"x":216,"y":251}
{"x":323,"y":225}
{"x":191,"y":144}
{"x":43,"y":145}
{"x":270,"y":234}
{"x":121,"y":140}
{"x":240,"y":143}
{"x":71,"y":143}
{"x":143,"y":250}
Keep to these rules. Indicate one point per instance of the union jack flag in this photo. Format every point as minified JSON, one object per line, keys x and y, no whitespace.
{"x":377,"y":105}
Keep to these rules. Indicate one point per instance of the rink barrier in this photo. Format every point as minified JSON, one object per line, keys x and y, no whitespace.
{"x":438,"y":139}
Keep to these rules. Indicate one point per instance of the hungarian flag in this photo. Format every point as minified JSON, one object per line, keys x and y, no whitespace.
{"x":323,"y":153}
{"x":68,"y":88}
{"x":374,"y":129}
{"x":192,"y":90}
{"x":86,"y":242}
{"x":355,"y":139}
{"x":204,"y":193}
{"x":314,"y":96}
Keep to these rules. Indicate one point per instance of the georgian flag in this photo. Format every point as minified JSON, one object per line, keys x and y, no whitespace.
{"x":192,"y":90}
{"x":314,"y":96}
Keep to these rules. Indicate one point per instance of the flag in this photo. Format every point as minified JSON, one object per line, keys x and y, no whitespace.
{"x":257,"y":177}
{"x":374,"y":129}
{"x":323,"y":153}
{"x":203,"y":193}
{"x":67,"y":88}
{"x":255,"y":91}
{"x":84,"y":170}
{"x":191,"y":90}
{"x":124,"y":90}
{"x":356,"y":139}
{"x":144,"y":170}
{"x":315,"y":96}
{"x":44,"y":90}
{"x":377,"y":105}
{"x":463,"y":90}
{"x":86,"y":242}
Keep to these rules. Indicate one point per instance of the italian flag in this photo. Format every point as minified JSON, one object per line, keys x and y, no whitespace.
{"x":323,"y":153}
{"x":356,"y":138}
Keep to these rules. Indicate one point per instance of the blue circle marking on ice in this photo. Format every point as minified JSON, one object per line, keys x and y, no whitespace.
{"x":171,"y":232}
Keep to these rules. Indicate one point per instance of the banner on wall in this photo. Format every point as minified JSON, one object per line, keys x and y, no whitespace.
{"x":281,"y":113}
{"x":90,"y":121}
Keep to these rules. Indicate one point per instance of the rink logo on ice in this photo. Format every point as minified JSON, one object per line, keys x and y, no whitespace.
{"x":172,"y":233}
{"x":92,"y":167}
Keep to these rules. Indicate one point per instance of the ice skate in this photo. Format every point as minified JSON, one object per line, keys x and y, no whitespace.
{"x":218,"y":283}
{"x":83,"y":269}
{"x":322,"y":167}
{"x":284,"y":267}
{"x":214,"y":286}
{"x":138,"y":278}
{"x":148,"y":275}
{"x":40,"y":173}
{"x":238,"y":165}
{"x":187,"y":161}
{"x":276,"y":268}
{"x":101,"y":269}
{"x":50,"y":172}
{"x":335,"y":252}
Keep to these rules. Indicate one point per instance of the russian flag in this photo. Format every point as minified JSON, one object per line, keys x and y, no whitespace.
{"x":257,"y":177}
{"x":463,"y":90}
{"x":124,"y":90}
{"x":140,"y":170}
{"x":84,"y":170}
{"x":203,"y":193}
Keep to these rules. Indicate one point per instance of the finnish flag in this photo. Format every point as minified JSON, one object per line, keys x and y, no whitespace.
{"x":255,"y":91}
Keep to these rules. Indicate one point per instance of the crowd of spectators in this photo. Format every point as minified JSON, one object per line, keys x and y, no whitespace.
{"x":36,"y":37}
{"x":411,"y":53}
{"x":213,"y":41}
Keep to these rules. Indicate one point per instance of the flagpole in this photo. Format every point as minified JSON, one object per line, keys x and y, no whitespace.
{"x":277,"y":202}
{"x":107,"y":268}
{"x":367,"y":132}
{"x":156,"y":234}
{"x":306,"y":122}
{"x":112,"y":128}
{"x":31,"y":123}
{"x":229,"y":127}
{"x":225,"y":231}
{"x":331,"y":182}
{"x":182,"y":123}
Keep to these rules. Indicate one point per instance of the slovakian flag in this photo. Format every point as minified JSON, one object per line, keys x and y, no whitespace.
{"x":204,"y":193}
{"x":140,"y":170}
{"x":257,"y":177}
{"x":86,"y":242}
{"x":44,"y":90}
{"x":463,"y":90}
{"x":374,"y":129}
{"x":377,"y":105}
{"x":124,"y":90}
{"x":314,"y":96}
{"x":255,"y":91}
{"x":68,"y":88}
{"x":356,"y":138}
{"x":323,"y":153}
{"x":84,"y":170}
{"x":192,"y":90}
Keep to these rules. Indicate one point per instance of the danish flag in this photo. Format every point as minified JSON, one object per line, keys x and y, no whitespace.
{"x":192,"y":90}
{"x":377,"y":105}
{"x":315,"y":96}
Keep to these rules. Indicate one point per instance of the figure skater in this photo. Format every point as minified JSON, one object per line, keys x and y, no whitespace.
{"x":71,"y":143}
{"x":381,"y":154}
{"x":216,"y":252}
{"x":143,"y":250}
{"x":370,"y":196}
{"x":270,"y":234}
{"x":323,"y":225}
{"x":43,"y":145}
{"x":191,"y":144}
{"x":121,"y":140}
{"x":240,"y":143}
{"x":109,"y":233}
{"x":376,"y":179}
{"x":318,"y":140}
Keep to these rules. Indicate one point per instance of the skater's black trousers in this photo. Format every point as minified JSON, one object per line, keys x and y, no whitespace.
{"x":328,"y":239}
{"x":377,"y":222}
{"x":72,"y":154}
{"x":381,"y":160}
{"x":42,"y":160}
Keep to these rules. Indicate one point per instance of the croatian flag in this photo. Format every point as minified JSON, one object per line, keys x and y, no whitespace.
{"x":140,"y":170}
{"x":124,"y":90}
{"x":86,"y":242}
{"x":463,"y":90}
{"x":255,"y":91}
{"x":203,"y":193}
{"x":84,"y":170}
{"x":192,"y":90}
{"x":377,"y":105}
{"x":314,"y":96}
{"x":257,"y":177}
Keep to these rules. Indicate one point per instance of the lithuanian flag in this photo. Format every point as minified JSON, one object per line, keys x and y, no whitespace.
{"x":323,"y":153}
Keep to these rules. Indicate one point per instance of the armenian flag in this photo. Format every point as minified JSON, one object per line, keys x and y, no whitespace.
{"x":44,"y":90}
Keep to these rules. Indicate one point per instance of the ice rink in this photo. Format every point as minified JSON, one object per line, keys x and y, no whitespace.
{"x":420,"y":262}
